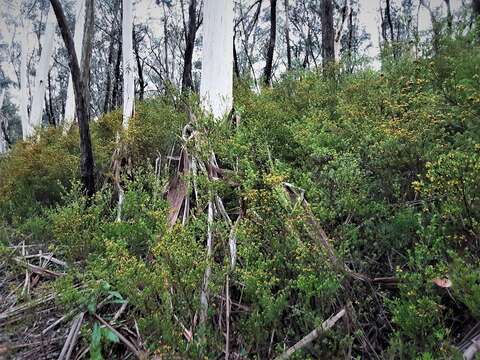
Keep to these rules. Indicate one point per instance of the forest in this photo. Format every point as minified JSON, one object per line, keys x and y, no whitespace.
{"x":239,"y":179}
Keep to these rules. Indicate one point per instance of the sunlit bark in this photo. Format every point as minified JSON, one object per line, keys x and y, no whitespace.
{"x":216,"y":86}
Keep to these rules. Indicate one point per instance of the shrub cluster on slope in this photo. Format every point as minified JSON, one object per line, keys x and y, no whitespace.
{"x":388,"y":162}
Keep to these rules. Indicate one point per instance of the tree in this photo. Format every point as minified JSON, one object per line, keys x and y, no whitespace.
{"x":128,"y":62}
{"x":287,"y":34}
{"x":187,"y":81}
{"x":3,"y":140}
{"x":38,"y":102}
{"x":328,"y":33}
{"x":476,"y":8}
{"x":80,"y":87}
{"x":267,"y":74}
{"x":107,"y":105}
{"x":78,"y":40}
{"x":216,"y":88}
{"x":26,"y":128}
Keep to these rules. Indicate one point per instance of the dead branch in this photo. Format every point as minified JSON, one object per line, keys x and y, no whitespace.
{"x":326,"y":325}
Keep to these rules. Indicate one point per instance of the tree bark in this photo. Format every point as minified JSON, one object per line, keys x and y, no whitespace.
{"x":117,"y":77}
{"x":287,"y":34}
{"x":42,"y":71}
{"x":267,"y":74}
{"x":107,"y":105}
{"x":388,"y":15}
{"x":216,"y":88}
{"x":449,"y":16}
{"x":328,"y":33}
{"x":187,"y":81}
{"x":128,"y":62}
{"x":141,"y":79}
{"x":26,"y":129}
{"x":3,"y":132}
{"x":87,"y":166}
{"x":78,"y":39}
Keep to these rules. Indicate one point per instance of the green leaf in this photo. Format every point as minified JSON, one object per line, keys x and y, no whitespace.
{"x":110,"y":335}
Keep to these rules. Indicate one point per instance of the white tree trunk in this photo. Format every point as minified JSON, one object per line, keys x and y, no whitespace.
{"x":48,"y":38}
{"x":24,"y":98}
{"x":128,"y":62}
{"x":3,"y":141}
{"x":216,"y":88}
{"x":78,"y":40}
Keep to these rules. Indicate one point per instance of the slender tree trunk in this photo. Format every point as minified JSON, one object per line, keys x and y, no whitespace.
{"x":328,"y":33}
{"x":51,"y":116}
{"x":236,"y":67}
{"x":117,"y":77}
{"x":128,"y":62}
{"x":187,"y":81}
{"x":338,"y":35}
{"x":69,"y":115}
{"x":267,"y":73}
{"x":87,"y":166}
{"x":111,"y":50}
{"x":476,"y":8}
{"x":287,"y":34}
{"x":87,"y":49}
{"x":3,"y":140}
{"x":141,"y":79}
{"x":42,"y":71}
{"x":26,"y":129}
{"x":108,"y":85}
{"x":388,"y":15}
{"x":165,"y":42}
{"x":216,"y":88}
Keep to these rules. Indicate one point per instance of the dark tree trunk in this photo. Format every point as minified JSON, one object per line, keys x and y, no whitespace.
{"x":117,"y":75}
{"x":49,"y":104}
{"x":350,"y":40}
{"x":449,"y":16}
{"x":328,"y":33}
{"x":80,"y":84}
{"x":287,"y":35}
{"x":476,"y":8}
{"x":187,"y":80}
{"x":388,"y":15}
{"x":141,"y":79}
{"x":107,"y":105}
{"x":236,"y":68}
{"x":267,"y":74}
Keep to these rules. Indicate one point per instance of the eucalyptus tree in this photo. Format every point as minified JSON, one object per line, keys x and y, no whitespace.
{"x":216,"y":88}
{"x":267,"y":74}
{"x":128,"y":62}
{"x":47,"y":47}
{"x":78,"y":41}
{"x":80,"y":78}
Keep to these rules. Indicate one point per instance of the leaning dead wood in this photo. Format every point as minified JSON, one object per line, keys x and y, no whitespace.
{"x":39,"y":270}
{"x":23,"y":307}
{"x":177,"y":191}
{"x":57,"y":322}
{"x":470,"y":352}
{"x":326,"y":325}
{"x":72,"y":338}
{"x":208,"y":270}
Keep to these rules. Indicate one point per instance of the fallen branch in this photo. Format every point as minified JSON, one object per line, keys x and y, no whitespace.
{"x":72,"y":338}
{"x":39,"y":270}
{"x":326,"y":325}
{"x":139,"y":354}
{"x":471,"y":351}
